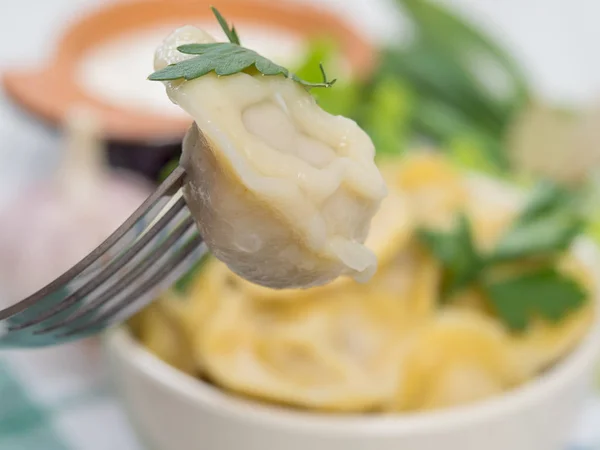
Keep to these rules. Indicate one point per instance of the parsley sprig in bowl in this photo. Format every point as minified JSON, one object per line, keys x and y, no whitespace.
{"x":519,"y":274}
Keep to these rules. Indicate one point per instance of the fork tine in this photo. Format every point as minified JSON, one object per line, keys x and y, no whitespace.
{"x":123,"y":236}
{"x":109,"y":270}
{"x":136,"y":271}
{"x":170,"y":271}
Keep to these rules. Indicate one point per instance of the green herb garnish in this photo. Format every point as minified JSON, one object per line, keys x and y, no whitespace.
{"x":231,"y":33}
{"x":546,"y":226}
{"x":385,"y":116}
{"x":227,"y":58}
{"x":544,"y":292}
{"x":456,"y":250}
{"x":345,"y":99}
{"x":532,"y":286}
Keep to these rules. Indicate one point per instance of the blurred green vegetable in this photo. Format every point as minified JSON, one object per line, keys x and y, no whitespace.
{"x":167,"y":169}
{"x":547,"y":225}
{"x":386,"y":116}
{"x":456,"y":251}
{"x":543,"y":230}
{"x":436,"y":75}
{"x":472,"y":152}
{"x":544,"y":292}
{"x":449,"y":65}
{"x":342,"y":100}
{"x":445,"y":33}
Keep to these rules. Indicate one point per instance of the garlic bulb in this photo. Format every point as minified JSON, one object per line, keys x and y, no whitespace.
{"x":59,"y":221}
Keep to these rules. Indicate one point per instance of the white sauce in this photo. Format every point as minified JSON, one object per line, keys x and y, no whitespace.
{"x":115,"y":72}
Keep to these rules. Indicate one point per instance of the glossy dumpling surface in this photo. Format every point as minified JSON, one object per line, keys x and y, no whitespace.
{"x":283,"y":192}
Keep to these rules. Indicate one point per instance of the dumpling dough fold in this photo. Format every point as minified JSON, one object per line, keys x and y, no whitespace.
{"x":283,"y":191}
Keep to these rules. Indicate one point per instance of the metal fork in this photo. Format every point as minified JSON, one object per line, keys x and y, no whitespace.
{"x":155,"y":247}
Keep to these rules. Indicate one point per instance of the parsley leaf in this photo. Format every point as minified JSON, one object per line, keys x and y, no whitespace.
{"x":231,"y":33}
{"x":226,"y":58}
{"x":541,"y":237}
{"x":456,"y":250}
{"x":546,"y":197}
{"x":547,"y":225}
{"x":544,"y":292}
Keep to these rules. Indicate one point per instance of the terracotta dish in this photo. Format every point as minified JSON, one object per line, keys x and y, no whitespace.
{"x":51,"y":91}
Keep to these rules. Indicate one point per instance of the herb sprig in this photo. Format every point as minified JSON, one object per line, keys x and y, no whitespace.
{"x":518,"y":276}
{"x":227,"y":58}
{"x":231,"y":33}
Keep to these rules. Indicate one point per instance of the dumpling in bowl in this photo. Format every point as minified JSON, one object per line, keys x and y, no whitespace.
{"x":338,"y":354}
{"x":283,"y":192}
{"x":460,"y":357}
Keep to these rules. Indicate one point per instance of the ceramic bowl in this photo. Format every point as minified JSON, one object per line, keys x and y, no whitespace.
{"x":173,"y":411}
{"x":50,"y":91}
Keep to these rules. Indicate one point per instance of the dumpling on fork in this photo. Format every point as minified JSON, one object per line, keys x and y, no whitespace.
{"x":282,"y":191}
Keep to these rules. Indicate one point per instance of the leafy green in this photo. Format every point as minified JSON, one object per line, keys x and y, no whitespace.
{"x":386,"y":116}
{"x":167,"y":169}
{"x":545,"y":198}
{"x":436,"y":75}
{"x":345,"y":98}
{"x":448,"y":65}
{"x":456,"y":250}
{"x":226,"y":58}
{"x":468,"y":48}
{"x":540,"y":237}
{"x":471,"y":151}
{"x":231,"y":33}
{"x":546,"y":227}
{"x":444,"y":122}
{"x":544,"y":292}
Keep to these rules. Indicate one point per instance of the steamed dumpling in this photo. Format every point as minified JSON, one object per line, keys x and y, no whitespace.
{"x":459,"y":357}
{"x":390,"y":232}
{"x":282,"y":191}
{"x":312,"y":353}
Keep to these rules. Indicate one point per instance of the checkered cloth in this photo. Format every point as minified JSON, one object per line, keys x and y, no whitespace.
{"x":60,"y":399}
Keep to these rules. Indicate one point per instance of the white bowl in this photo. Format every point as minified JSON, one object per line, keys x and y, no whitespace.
{"x":173,"y":411}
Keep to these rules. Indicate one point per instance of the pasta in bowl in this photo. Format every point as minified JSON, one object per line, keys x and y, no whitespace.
{"x":397,"y":361}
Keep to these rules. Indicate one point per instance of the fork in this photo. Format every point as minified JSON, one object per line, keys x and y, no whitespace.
{"x":150,"y":251}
